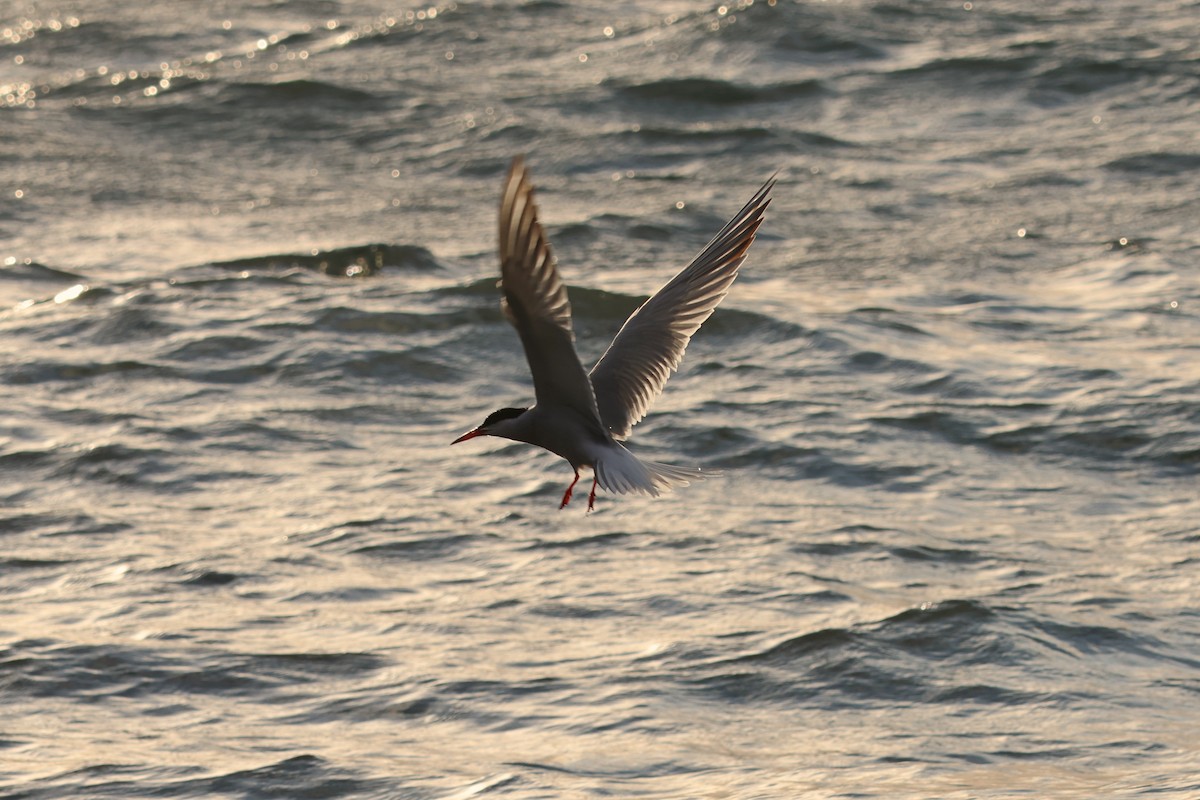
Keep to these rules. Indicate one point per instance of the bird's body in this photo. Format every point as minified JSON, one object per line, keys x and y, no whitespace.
{"x":580,"y":416}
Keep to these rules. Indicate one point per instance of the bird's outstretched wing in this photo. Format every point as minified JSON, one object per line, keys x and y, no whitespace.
{"x":632,"y":372}
{"x":535,"y":301}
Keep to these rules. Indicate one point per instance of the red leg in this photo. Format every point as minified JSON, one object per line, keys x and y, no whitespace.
{"x":567,"y":494}
{"x":592,"y":496}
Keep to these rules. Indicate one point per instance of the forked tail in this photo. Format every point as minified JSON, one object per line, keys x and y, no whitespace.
{"x":622,"y":472}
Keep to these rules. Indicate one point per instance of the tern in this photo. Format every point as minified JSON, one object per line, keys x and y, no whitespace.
{"x":583,"y":416}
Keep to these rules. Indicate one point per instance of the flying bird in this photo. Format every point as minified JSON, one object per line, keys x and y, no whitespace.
{"x":583,"y":416}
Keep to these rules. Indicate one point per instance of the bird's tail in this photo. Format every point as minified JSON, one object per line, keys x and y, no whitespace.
{"x":622,"y":472}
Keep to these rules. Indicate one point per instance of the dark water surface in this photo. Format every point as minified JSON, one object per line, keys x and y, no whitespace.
{"x":247,"y":299}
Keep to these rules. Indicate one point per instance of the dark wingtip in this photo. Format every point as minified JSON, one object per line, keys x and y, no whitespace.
{"x":517,"y":165}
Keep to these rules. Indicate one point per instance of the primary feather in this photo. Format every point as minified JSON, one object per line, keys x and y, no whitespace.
{"x":535,"y":300}
{"x":631,"y":374}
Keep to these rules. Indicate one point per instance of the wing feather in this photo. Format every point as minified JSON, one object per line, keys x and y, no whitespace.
{"x":535,"y":301}
{"x":631,"y":374}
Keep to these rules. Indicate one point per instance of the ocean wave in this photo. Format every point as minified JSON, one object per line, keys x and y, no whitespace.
{"x":50,"y":668}
{"x":1156,"y":164}
{"x":714,"y":92}
{"x":357,"y":261}
{"x":262,"y":97}
{"x":889,"y":663}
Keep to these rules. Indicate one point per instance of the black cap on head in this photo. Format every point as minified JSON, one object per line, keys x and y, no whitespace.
{"x":502,"y":414}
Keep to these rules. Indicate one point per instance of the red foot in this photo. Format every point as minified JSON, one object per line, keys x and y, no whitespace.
{"x":592,"y":496}
{"x":567,"y":494}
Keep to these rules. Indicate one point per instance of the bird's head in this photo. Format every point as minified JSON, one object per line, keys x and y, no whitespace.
{"x":498,"y":423}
